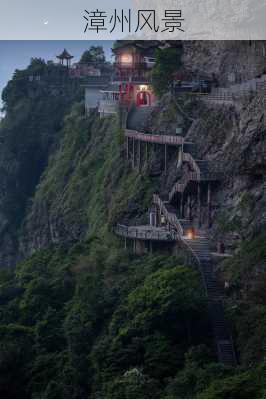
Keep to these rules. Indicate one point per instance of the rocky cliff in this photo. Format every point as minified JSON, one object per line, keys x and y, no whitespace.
{"x":30,"y":132}
{"x":80,"y":316}
{"x":232,"y":136}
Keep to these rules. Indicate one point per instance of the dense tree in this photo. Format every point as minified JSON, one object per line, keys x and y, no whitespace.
{"x":168,"y":61}
{"x":95,"y":54}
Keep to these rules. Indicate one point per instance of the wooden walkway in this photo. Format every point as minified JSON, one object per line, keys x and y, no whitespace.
{"x":146,"y":232}
{"x":154,"y":138}
{"x":197,"y":248}
{"x":180,"y":186}
{"x":169,"y":216}
{"x":200,"y":173}
{"x":232,"y":94}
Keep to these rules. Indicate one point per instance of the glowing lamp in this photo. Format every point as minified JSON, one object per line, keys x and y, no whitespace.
{"x":190,"y":234}
{"x":126,"y":59}
{"x":143,"y":87}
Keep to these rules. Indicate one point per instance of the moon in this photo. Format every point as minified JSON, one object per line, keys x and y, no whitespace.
{"x":46,"y":22}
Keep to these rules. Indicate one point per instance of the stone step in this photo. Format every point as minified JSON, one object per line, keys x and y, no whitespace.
{"x":226,"y":353}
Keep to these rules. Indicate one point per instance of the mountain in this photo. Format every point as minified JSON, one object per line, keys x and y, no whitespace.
{"x":81,"y":316}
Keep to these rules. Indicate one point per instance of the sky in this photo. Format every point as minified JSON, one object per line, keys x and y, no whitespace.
{"x":200,"y":20}
{"x":53,"y":19}
{"x":16,"y":54}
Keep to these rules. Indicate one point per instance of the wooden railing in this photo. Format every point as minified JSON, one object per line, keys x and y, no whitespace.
{"x":170,"y":217}
{"x":229,"y":95}
{"x":175,"y":223}
{"x":179,"y":187}
{"x":96,"y":81}
{"x":144,"y":233}
{"x":261,"y":86}
{"x":124,"y":77}
{"x":223,"y":97}
{"x":108,"y":106}
{"x":193,"y":126}
{"x":188,"y":158}
{"x":155,"y":138}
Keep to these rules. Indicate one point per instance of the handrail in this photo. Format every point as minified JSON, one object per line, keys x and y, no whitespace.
{"x":173,"y":220}
{"x":179,"y":187}
{"x":145,"y":234}
{"x":187,"y":157}
{"x":216,"y":97}
{"x":193,"y":126}
{"x":154,"y":138}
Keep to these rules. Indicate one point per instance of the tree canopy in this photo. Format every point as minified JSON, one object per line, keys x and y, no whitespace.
{"x":168,"y":61}
{"x":94,"y":54}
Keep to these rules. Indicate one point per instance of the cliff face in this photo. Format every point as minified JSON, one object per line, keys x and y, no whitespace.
{"x":61,"y":207}
{"x":29,"y":133}
{"x":234,"y":139}
{"x":87,"y":186}
{"x":229,"y":61}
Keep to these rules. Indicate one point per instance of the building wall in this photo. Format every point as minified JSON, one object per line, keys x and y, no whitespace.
{"x":92,"y":98}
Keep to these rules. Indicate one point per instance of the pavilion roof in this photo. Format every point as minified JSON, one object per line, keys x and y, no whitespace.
{"x":65,"y":55}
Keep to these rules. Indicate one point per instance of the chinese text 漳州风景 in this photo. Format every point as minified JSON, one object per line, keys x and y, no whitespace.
{"x":123,"y":20}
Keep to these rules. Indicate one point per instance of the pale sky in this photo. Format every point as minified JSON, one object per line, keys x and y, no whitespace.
{"x":201,"y":19}
{"x":27,"y":19}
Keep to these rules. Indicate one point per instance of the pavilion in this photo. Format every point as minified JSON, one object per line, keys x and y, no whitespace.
{"x":65,"y":56}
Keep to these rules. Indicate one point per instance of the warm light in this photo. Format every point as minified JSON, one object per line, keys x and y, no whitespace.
{"x":143,"y":87}
{"x":190,"y":234}
{"x":126,"y":59}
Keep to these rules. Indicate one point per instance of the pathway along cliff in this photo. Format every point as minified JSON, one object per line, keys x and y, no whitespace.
{"x":198,"y":245}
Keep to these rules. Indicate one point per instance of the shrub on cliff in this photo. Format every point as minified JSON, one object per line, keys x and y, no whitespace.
{"x":168,"y":61}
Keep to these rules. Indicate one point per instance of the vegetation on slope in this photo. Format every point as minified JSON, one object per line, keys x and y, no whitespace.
{"x":89,"y":320}
{"x":74,"y":322}
{"x":29,"y":132}
{"x":84,"y":318}
{"x":246,"y":274}
{"x":168,"y":61}
{"x":87,"y":187}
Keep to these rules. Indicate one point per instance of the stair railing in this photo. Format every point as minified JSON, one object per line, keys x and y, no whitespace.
{"x":187,"y":157}
{"x":173,"y":220}
{"x":179,"y":187}
{"x":144,"y":234}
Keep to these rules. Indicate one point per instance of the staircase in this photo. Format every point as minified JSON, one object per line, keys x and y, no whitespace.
{"x":221,"y":331}
{"x":138,"y":117}
{"x":200,"y":247}
{"x":225,"y":347}
{"x":181,"y":185}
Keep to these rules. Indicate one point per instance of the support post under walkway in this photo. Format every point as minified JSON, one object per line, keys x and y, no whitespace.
{"x":165,"y":157}
{"x":209,"y":204}
{"x":133,"y":158}
{"x":199,"y":203}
